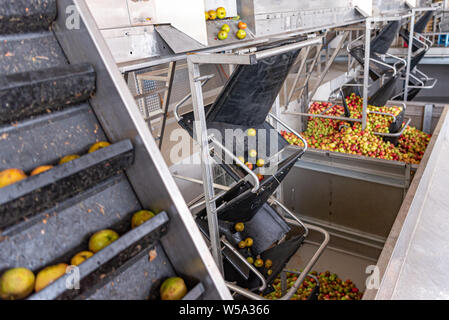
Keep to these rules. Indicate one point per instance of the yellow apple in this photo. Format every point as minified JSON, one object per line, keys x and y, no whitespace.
{"x":212,"y":14}
{"x":226,"y":28}
{"x":16,"y":283}
{"x":221,"y":13}
{"x":68,"y":158}
{"x":241,"y":34}
{"x":252,"y":153}
{"x":252,"y":132}
{"x":98,"y":146}
{"x":80,"y":257}
{"x":173,"y":289}
{"x":40,"y":170}
{"x":260,"y":163}
{"x":140,"y":217}
{"x":48,"y":275}
{"x":10,"y":176}
{"x":102,"y":239}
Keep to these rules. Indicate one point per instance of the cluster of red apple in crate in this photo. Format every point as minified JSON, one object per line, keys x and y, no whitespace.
{"x":331,"y":287}
{"x":341,"y":136}
{"x":220,"y":13}
{"x":252,"y":154}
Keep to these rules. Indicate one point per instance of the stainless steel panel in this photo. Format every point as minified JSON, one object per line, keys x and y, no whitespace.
{"x":275,"y":16}
{"x":366,"y":206}
{"x":413,"y":264}
{"x":281,"y":6}
{"x":131,"y":43}
{"x":177,"y":40}
{"x":121,"y":13}
{"x":388,"y":6}
{"x":119,"y":116}
{"x":109,"y":13}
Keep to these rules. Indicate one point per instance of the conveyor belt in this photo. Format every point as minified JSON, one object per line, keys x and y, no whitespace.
{"x":46,"y":219}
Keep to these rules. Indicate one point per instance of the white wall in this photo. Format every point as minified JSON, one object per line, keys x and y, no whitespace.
{"x":185,"y":15}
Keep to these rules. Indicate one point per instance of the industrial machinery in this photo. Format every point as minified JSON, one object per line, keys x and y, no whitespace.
{"x":261,"y":71}
{"x":77,"y":72}
{"x":61,"y":93}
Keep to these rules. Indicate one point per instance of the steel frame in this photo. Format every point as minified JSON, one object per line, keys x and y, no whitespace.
{"x":248,"y":56}
{"x":291,"y":219}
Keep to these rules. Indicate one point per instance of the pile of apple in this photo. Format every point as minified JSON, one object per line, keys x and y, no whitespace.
{"x":18,"y":283}
{"x":13,"y":175}
{"x":245,"y":250}
{"x":331,"y":287}
{"x":346,"y":137}
{"x":220,"y":13}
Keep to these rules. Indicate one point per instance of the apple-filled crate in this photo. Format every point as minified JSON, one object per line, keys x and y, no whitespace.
{"x":348,"y":137}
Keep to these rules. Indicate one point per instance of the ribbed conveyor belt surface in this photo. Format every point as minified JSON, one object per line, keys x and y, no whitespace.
{"x":45,"y":219}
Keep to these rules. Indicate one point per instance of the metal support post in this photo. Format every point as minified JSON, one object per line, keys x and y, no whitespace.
{"x":312,"y":67}
{"x":298,"y":75}
{"x":328,"y":65}
{"x":169,"y":85}
{"x":366,"y":71}
{"x":409,"y":55}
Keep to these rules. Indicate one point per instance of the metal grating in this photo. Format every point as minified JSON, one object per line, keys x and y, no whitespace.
{"x":153,"y":102}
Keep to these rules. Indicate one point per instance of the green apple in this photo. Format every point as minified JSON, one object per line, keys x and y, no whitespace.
{"x":173,"y":289}
{"x":102,"y":239}
{"x":221,"y":13}
{"x":222,"y":35}
{"x":241,"y":34}
{"x":140,"y":217}
{"x":225,"y":28}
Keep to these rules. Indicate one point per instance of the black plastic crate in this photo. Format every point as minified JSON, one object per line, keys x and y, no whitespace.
{"x":240,"y":203}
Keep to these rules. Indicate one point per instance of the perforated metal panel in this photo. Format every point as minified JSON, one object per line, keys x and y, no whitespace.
{"x":152,"y":102}
{"x":181,"y":87}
